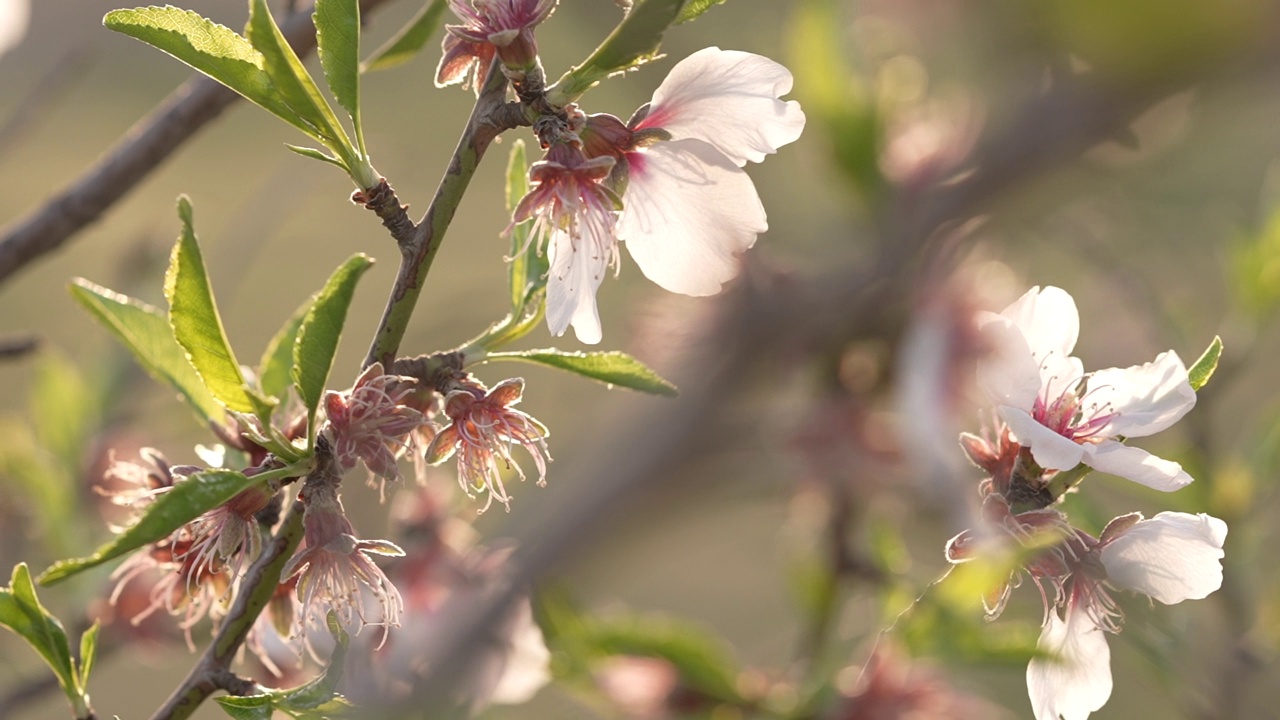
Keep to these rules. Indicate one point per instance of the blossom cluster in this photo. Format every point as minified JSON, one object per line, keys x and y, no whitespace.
{"x":1054,"y":422}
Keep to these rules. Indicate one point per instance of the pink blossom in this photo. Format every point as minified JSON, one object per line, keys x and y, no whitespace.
{"x":371,"y":422}
{"x":483,"y":426}
{"x":334,"y":571}
{"x":1067,"y":416}
{"x":490,"y":27}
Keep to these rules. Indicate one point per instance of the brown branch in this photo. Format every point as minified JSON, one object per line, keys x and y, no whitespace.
{"x":142,"y":149}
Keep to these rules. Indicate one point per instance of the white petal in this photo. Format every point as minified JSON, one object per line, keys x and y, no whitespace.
{"x":1137,"y":465}
{"x":1007,"y":374}
{"x":527,"y":667}
{"x":1049,"y":320}
{"x":576,"y":272}
{"x":1144,"y":398}
{"x":1171,"y":557}
{"x":729,"y":99}
{"x":1076,"y":679}
{"x":15,"y":15}
{"x":688,"y":212}
{"x":1050,"y":449}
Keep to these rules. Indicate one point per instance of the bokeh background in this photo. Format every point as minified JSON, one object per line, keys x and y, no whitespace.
{"x":1125,"y":152}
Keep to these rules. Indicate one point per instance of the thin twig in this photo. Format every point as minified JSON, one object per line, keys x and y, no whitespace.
{"x":490,"y":117}
{"x":149,"y":143}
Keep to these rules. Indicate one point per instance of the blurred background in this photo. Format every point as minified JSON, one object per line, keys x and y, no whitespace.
{"x":798,"y":496}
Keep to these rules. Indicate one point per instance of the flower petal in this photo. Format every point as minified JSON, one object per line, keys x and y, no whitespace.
{"x":1144,"y":399}
{"x":1008,"y":373}
{"x":576,"y":272}
{"x":1050,"y":449}
{"x":1137,"y":465}
{"x":729,"y":99}
{"x":1171,"y":557}
{"x":1048,"y":319}
{"x":1076,"y":679}
{"x":688,"y":213}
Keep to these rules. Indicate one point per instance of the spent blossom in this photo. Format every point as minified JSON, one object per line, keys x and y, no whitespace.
{"x":483,"y":425}
{"x":1066,"y":416}
{"x":687,"y":207}
{"x":371,"y":422}
{"x":502,"y":28}
{"x":334,"y":571}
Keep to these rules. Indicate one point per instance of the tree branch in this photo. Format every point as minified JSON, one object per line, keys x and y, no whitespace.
{"x":142,"y":149}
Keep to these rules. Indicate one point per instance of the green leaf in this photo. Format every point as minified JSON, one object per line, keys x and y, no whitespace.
{"x":410,"y":40}
{"x":634,"y":42}
{"x":184,"y":502}
{"x":64,"y":410}
{"x":527,"y":269}
{"x":614,"y":368}
{"x":145,"y":331}
{"x":338,"y":45}
{"x":88,"y":652}
{"x":294,"y":83}
{"x":22,"y":613}
{"x":276,"y":366}
{"x":249,"y":707}
{"x":1203,"y":368}
{"x":320,"y":691}
{"x":212,"y":49}
{"x":315,"y":154}
{"x":322,"y":328}
{"x":197,"y":325}
{"x":694,"y":8}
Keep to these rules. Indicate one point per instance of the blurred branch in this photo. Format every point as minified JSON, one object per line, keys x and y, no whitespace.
{"x":142,"y":149}
{"x":52,"y":87}
{"x":13,"y":347}
{"x":861,"y":301}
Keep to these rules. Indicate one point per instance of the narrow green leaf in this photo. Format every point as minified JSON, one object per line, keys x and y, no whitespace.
{"x":1204,"y":368}
{"x":21,"y":612}
{"x":316,"y":155}
{"x":197,"y":325}
{"x":614,"y":368}
{"x":322,"y":328}
{"x":320,"y":691}
{"x":410,"y":40}
{"x":338,"y":45}
{"x":88,"y":652}
{"x":212,"y":49}
{"x":184,"y":502}
{"x":293,"y":82}
{"x":145,"y":331}
{"x":250,"y":707}
{"x":276,"y":366}
{"x":527,"y":268}
{"x":694,"y":8}
{"x":634,"y":42}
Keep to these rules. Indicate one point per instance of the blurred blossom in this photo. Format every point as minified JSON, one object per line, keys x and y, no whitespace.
{"x":1066,"y":416}
{"x":482,"y":426}
{"x":640,"y":686}
{"x":334,"y":570}
{"x":926,"y":143}
{"x":893,"y":687}
{"x":371,"y":422}
{"x":15,"y":15}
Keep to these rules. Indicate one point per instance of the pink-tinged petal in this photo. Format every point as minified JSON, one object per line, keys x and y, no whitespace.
{"x":1171,"y":557}
{"x":729,"y":99}
{"x":1137,"y":465}
{"x":1144,"y":399}
{"x":1075,"y":680}
{"x":688,"y":212}
{"x":577,"y":270}
{"x":1050,"y":449}
{"x":1008,"y":374}
{"x":1049,"y":320}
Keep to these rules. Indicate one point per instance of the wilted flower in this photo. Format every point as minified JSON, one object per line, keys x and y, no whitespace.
{"x":370,"y":422}
{"x":491,"y":27}
{"x":688,"y":209}
{"x":225,"y":536}
{"x":334,"y":571}
{"x":482,"y":425}
{"x":1067,"y":416}
{"x":184,"y":587}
